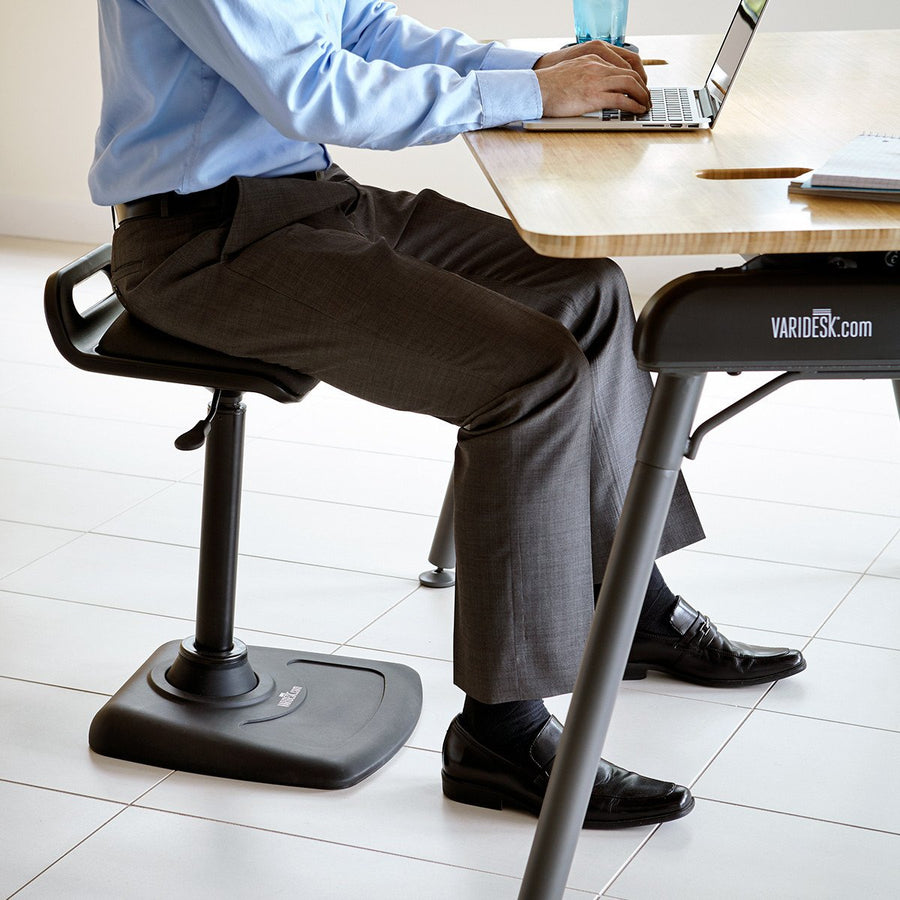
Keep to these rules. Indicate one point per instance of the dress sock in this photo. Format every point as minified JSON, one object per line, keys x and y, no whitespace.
{"x":659,"y":601}
{"x":506,"y":728}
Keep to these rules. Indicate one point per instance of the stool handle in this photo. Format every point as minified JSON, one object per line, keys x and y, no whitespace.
{"x":73,"y":332}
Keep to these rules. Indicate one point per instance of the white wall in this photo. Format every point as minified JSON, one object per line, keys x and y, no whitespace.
{"x":50,"y":95}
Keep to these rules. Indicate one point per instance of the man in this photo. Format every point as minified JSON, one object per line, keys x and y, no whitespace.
{"x":236,"y":232}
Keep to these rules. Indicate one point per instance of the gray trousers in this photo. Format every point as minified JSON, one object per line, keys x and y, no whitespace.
{"x":420,"y":303}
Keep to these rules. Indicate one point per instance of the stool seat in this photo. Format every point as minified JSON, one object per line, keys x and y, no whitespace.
{"x":108,"y":339}
{"x":129,"y":340}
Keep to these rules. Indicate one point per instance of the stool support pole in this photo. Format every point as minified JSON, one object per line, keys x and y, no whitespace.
{"x":219,"y":528}
{"x":443,"y":547}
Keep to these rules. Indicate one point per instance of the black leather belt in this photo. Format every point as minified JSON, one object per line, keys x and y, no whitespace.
{"x":162,"y":206}
{"x":171,"y":204}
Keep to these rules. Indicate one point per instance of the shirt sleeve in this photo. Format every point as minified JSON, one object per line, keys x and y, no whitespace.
{"x":372,"y":79}
{"x":374,"y":30}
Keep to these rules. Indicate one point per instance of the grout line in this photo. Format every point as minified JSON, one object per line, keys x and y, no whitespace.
{"x":50,"y":684}
{"x":631,"y":857}
{"x":782,"y":562}
{"x":320,"y":840}
{"x":167,"y":484}
{"x":794,"y":504}
{"x":87,"y":417}
{"x":793,"y":815}
{"x":355,"y":648}
{"x":42,"y":787}
{"x":107,"y":606}
{"x":792,"y":715}
{"x":70,"y":850}
{"x":391,"y":608}
{"x":279,"y":559}
{"x":191,"y":547}
{"x":857,"y":643}
{"x":448,"y":461}
{"x":64,"y":467}
{"x":856,"y":584}
{"x":77,"y":535}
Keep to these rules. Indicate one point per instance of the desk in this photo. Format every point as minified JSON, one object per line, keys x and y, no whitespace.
{"x":725,"y":191}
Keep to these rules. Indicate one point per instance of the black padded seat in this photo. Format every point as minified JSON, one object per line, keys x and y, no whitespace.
{"x":128,"y":338}
{"x":209,"y":704}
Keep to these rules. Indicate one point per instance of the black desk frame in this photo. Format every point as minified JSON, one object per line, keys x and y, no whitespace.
{"x":704,"y":322}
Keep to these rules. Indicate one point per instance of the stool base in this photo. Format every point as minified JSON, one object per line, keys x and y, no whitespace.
{"x":437,"y":578}
{"x":312,"y":720}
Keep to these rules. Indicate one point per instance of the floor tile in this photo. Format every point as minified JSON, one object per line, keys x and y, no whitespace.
{"x":45,"y":743}
{"x":821,"y":770}
{"x":94,"y":648}
{"x":869,"y":615}
{"x":171,"y":516}
{"x":334,"y":419}
{"x":841,"y":685}
{"x":422,"y":625}
{"x":22,"y":544}
{"x":16,"y":377}
{"x":60,"y":820}
{"x":870,"y":396}
{"x":354,"y":477}
{"x":756,"y":594}
{"x":52,"y":389}
{"x":141,"y":855}
{"x":665,"y":737}
{"x":36,"y":259}
{"x":127,"y":448}
{"x":801,"y":478}
{"x":778,"y":532}
{"x":873,"y":395}
{"x":27,"y":341}
{"x":68,"y":498}
{"x":399,"y":809}
{"x":279,"y":597}
{"x":325,"y":534}
{"x":77,"y":646}
{"x":845,"y":433}
{"x":888,"y":562}
{"x":749,"y":853}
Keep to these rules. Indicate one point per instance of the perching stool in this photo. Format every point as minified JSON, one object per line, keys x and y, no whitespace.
{"x":209,"y":704}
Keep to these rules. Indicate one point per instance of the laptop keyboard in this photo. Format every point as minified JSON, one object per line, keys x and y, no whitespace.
{"x":668,"y":105}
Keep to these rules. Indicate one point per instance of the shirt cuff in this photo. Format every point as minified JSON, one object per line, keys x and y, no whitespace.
{"x":508,"y":95}
{"x":501,"y":57}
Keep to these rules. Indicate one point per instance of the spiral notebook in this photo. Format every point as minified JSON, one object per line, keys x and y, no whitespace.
{"x":866,"y":168}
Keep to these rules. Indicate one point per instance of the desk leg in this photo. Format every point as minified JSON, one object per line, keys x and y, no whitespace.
{"x":659,"y":456}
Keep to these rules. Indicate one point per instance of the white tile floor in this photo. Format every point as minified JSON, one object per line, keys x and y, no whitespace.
{"x":796,"y":784}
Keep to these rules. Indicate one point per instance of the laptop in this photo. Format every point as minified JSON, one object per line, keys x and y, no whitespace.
{"x":674,"y":107}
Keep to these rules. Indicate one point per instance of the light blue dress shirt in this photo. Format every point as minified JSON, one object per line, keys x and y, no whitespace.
{"x":196,"y":91}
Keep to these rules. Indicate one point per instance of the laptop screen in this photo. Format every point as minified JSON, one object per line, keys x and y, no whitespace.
{"x":732,"y":51}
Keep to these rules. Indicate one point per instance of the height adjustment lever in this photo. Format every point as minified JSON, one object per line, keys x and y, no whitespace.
{"x":194,"y":438}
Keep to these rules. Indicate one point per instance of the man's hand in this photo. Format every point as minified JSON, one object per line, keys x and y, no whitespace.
{"x":590,"y":76}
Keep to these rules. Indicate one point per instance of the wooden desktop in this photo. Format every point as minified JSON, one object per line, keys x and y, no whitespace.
{"x":797,"y":98}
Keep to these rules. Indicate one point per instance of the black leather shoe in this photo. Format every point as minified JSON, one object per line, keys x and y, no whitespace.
{"x":476,"y":775}
{"x":694,"y":651}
